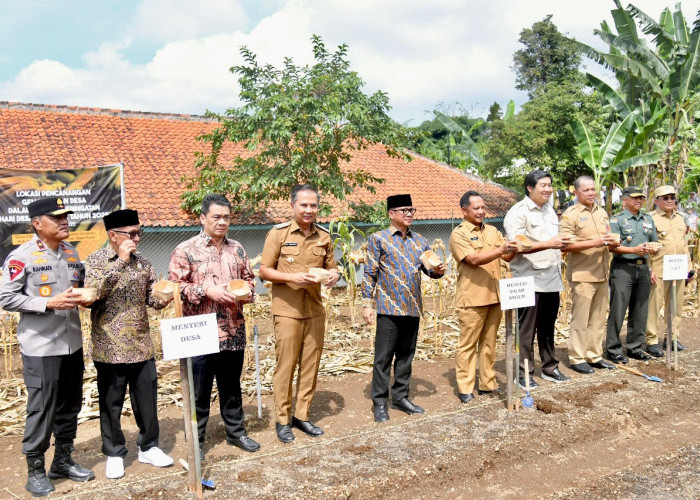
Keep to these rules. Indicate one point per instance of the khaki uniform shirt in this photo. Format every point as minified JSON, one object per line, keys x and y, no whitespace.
{"x":476,"y":285}
{"x":288,"y":250}
{"x":592,"y":265}
{"x":671,"y":234}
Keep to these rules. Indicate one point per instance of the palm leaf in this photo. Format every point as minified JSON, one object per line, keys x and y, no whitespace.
{"x":510,"y":110}
{"x":663,"y":33}
{"x":638,"y":161}
{"x":614,"y":98}
{"x":681,"y":28}
{"x":645,"y":56}
{"x":625,"y":25}
{"x":686,"y":78}
{"x":617,"y":136}
{"x":586,"y":143}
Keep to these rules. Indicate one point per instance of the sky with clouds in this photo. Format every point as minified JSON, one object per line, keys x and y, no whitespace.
{"x":173,"y":56}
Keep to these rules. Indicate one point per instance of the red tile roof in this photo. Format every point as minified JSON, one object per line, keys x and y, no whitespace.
{"x":157,"y":149}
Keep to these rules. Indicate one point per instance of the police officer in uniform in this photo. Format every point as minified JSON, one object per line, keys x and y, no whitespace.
{"x":630,"y":277}
{"x":290,"y":250}
{"x":38,"y":279}
{"x":671,"y":229}
{"x":587,"y":271}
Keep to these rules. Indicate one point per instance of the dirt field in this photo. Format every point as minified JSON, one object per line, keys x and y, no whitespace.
{"x":607,"y":435}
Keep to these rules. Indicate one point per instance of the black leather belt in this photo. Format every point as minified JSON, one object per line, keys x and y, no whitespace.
{"x":636,"y":262}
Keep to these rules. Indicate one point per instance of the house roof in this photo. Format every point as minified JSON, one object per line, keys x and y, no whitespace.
{"x":157,"y":149}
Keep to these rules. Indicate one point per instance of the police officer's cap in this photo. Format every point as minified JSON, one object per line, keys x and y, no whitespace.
{"x":48,"y":206}
{"x":632,"y":191}
{"x":664,"y":190}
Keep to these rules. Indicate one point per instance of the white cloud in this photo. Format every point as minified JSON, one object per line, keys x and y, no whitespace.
{"x":420,"y":53}
{"x":170,"y":20}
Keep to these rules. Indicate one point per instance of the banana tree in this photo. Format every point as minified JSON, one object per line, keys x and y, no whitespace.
{"x":466,"y":146}
{"x":614,"y":156}
{"x":663,"y":75}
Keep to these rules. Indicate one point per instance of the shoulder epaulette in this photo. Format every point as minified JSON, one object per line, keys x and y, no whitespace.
{"x":322,"y":228}
{"x":282,"y":225}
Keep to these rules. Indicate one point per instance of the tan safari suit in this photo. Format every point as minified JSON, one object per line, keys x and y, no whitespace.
{"x":298,"y":314}
{"x":588,"y":272}
{"x":671,"y":233}
{"x":478,"y":305}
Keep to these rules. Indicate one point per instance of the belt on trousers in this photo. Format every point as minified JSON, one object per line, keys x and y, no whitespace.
{"x":637,"y":262}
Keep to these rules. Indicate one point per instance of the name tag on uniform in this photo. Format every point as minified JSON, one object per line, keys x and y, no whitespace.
{"x":289,"y":244}
{"x":583,"y":218}
{"x":475,"y":238}
{"x":646,"y":225}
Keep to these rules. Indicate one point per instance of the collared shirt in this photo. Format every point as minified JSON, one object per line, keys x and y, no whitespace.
{"x":33,"y":273}
{"x":197,"y":264}
{"x":591,"y":265}
{"x":671,"y":235}
{"x":634,"y":230}
{"x":393,"y":272}
{"x":538,"y":224}
{"x":476,"y":285}
{"x":120,"y":329}
{"x":288,"y":250}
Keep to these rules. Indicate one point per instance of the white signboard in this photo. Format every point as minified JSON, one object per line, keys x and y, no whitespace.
{"x":517,"y":292}
{"x":675,"y":267}
{"x":189,"y":336}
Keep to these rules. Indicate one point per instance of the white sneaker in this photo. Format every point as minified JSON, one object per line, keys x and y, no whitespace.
{"x":114,"y":468}
{"x":155,"y":456}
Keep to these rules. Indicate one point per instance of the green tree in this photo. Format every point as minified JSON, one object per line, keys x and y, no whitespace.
{"x":494,"y":112}
{"x":300,"y":124}
{"x":547,"y":56}
{"x":540,"y":136}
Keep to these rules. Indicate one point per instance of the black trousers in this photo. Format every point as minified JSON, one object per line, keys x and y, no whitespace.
{"x":539,"y":319}
{"x":54,"y":398}
{"x":395,"y":341}
{"x":112,"y":381}
{"x":630,"y":285}
{"x":226,"y":367}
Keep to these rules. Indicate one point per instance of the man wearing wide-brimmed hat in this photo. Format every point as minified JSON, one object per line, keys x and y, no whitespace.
{"x":671,"y":229}
{"x":122,"y":349}
{"x":38,"y":279}
{"x":391,"y":290}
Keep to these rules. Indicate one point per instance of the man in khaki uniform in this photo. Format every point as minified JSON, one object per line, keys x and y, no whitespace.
{"x":290,"y":250}
{"x":587,"y":271}
{"x":478,"y":248}
{"x":671,"y":229}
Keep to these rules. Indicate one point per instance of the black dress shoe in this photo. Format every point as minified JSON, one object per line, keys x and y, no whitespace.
{"x":307,"y":427}
{"x":533,"y":384}
{"x":556,"y":376}
{"x":655,"y":351}
{"x":380,"y":413}
{"x":640,"y":355}
{"x":244,"y":442}
{"x":284,"y":432}
{"x":603,"y":365}
{"x":618,"y":358}
{"x":582,"y":368}
{"x":681,"y":347}
{"x":465,"y":398}
{"x":407,"y":406}
{"x":480,"y":393}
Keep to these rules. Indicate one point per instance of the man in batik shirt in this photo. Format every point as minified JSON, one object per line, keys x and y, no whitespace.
{"x":204,"y":266}
{"x":122,"y":349}
{"x":391,"y":290}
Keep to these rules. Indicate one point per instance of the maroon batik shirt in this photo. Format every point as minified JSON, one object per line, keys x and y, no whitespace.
{"x":198,"y":265}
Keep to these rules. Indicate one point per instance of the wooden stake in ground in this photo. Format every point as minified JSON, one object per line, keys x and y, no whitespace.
{"x":510,"y":395}
{"x":194,"y":469}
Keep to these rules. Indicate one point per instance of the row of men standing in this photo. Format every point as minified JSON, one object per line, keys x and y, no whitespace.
{"x":38,"y":278}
